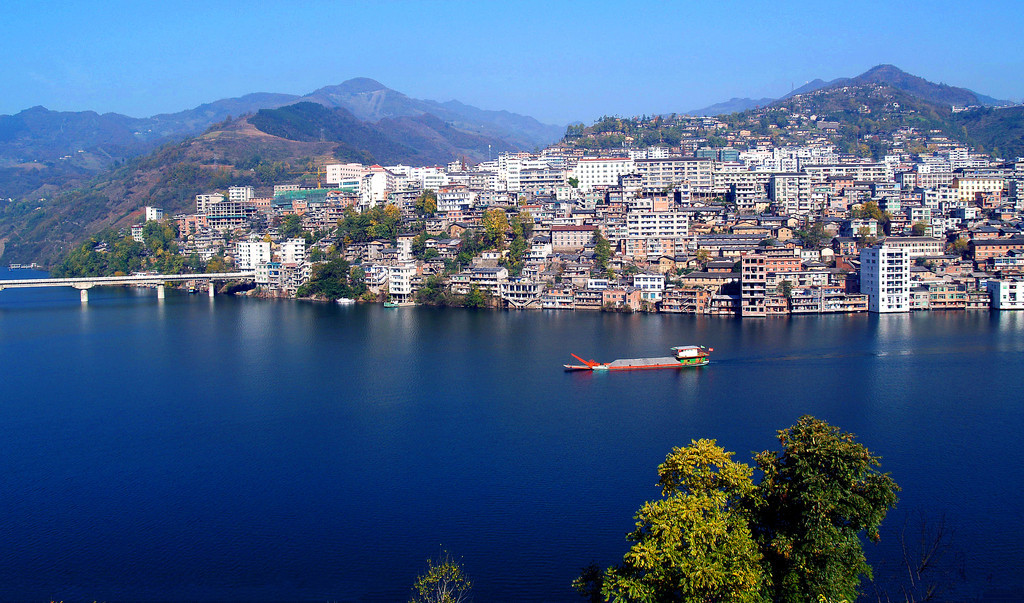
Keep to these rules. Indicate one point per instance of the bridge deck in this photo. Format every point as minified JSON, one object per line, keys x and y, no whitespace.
{"x":146,"y":279}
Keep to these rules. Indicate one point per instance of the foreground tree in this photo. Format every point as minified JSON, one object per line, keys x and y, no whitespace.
{"x":818,"y":496}
{"x":445,"y":581}
{"x":695,"y":543}
{"x":715,"y":536}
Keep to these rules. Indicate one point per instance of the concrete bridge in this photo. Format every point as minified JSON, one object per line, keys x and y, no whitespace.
{"x":83,"y":284}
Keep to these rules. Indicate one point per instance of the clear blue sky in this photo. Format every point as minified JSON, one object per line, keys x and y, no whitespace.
{"x":558,"y":61}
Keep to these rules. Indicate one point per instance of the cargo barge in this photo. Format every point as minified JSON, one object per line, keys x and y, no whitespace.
{"x":683,"y":356}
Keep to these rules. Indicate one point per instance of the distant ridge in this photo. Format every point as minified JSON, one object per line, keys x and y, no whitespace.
{"x":733,"y":105}
{"x":71,"y":144}
{"x":888,"y":75}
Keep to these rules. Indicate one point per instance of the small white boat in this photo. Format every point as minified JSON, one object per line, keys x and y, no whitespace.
{"x":345,"y":301}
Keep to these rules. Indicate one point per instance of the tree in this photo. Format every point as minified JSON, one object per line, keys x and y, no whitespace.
{"x":291,"y":226}
{"x":715,"y":536}
{"x":703,"y":257}
{"x":573,"y":181}
{"x":958,"y":247}
{"x":426,"y":203}
{"x":813,"y":237}
{"x":818,"y":495}
{"x":445,"y":581}
{"x":919,"y":228}
{"x":602,"y":250}
{"x":785,"y":289}
{"x":495,"y":223}
{"x":865,"y":238}
{"x":695,"y":543}
{"x":475,"y":298}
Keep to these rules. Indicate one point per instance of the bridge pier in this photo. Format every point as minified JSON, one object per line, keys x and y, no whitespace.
{"x":84,"y":294}
{"x":160,"y":294}
{"x":212,"y":289}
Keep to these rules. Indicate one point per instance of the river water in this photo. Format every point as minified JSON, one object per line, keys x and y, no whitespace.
{"x":237,"y":448}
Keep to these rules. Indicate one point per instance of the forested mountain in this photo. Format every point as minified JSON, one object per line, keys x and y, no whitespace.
{"x":43,"y":151}
{"x":888,"y":75}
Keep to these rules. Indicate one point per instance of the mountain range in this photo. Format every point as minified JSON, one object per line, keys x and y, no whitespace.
{"x":44,"y":149}
{"x":880,"y":74}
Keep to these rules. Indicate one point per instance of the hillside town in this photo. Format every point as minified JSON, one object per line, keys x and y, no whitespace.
{"x":743,"y":229}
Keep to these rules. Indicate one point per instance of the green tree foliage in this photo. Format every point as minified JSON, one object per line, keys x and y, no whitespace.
{"x":470,"y":245}
{"x":919,"y":228}
{"x":378,"y":222}
{"x":291,"y":226}
{"x":476,"y":298}
{"x":426,"y":203}
{"x":958,"y":247}
{"x":124,"y":255}
{"x":496,"y":225}
{"x":814,"y":237}
{"x":445,"y":581}
{"x":602,"y":250}
{"x":514,"y":260}
{"x":333,"y":279}
{"x":865,"y":238}
{"x":716,"y":536}
{"x":694,"y":544}
{"x":384,"y":222}
{"x":818,"y":496}
{"x":434,"y":292}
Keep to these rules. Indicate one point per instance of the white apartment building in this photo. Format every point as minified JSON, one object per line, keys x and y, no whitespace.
{"x":659,"y":224}
{"x":337,"y":173}
{"x":240,"y":194}
{"x":250,"y":254}
{"x":698,"y":173}
{"x":154,"y":213}
{"x":203,"y":202}
{"x":885,"y":278}
{"x":1006,"y":294}
{"x":400,"y":281}
{"x":966,"y":188}
{"x":601,"y":171}
{"x":456,"y":199}
{"x":651,"y":285}
{"x":293,"y":251}
{"x":375,"y":185}
{"x":791,"y":192}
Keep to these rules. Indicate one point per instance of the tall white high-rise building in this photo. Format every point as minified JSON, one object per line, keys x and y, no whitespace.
{"x":885,"y":278}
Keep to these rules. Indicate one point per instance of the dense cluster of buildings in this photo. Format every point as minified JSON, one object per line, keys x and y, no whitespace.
{"x":754,"y":232}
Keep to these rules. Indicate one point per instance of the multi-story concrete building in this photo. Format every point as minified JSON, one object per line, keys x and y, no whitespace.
{"x":601,"y":171}
{"x":791,"y":193}
{"x":885,"y":278}
{"x":571,"y":238}
{"x":154,"y":213}
{"x":1006,"y":294}
{"x":293,"y":251}
{"x":338,"y":173}
{"x":250,"y":254}
{"x":660,"y":174}
{"x":400,"y":281}
{"x":240,"y":194}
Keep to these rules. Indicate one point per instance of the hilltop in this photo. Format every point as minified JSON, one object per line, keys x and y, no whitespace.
{"x":866,"y":110}
{"x":887,"y":75}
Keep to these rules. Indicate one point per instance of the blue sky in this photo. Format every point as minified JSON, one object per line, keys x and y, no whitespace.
{"x":557,"y":61}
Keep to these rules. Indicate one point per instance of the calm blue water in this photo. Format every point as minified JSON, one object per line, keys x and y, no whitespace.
{"x":255,"y":449}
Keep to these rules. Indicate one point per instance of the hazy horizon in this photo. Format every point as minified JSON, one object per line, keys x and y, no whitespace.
{"x":559,"y":64}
